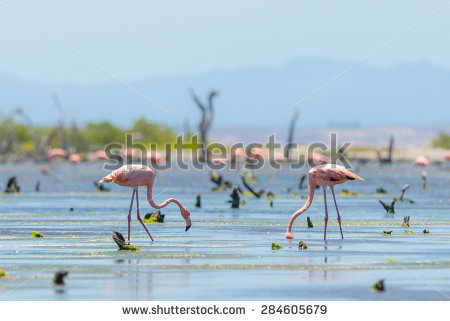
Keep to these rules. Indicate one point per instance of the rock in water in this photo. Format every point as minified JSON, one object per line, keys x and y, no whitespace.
{"x":120,"y":241}
{"x":302,"y":245}
{"x":59,"y":276}
{"x":36,"y":234}
{"x":12,"y":185}
{"x":378,"y":287}
{"x":198,"y":201}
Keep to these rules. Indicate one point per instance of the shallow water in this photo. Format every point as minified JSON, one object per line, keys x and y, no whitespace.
{"x":227,"y":254}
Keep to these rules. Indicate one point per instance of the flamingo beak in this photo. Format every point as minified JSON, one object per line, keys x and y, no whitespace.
{"x":188,"y":225}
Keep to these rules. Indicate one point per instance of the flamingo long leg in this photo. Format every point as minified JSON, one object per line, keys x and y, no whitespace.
{"x":139,"y":217}
{"x":129,"y":215}
{"x":338,"y":216}
{"x":326,"y":211}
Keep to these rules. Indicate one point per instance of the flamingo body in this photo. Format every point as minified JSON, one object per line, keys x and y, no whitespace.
{"x":323,"y":175}
{"x":141,"y":175}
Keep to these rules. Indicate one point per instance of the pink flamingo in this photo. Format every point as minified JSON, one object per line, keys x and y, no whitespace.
{"x":75,"y":158}
{"x":323,"y":175}
{"x":57,"y":152}
{"x":141,"y":175}
{"x":421,"y":161}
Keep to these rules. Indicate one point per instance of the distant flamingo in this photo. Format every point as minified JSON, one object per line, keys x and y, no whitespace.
{"x":75,"y":158}
{"x":323,"y":175}
{"x":57,"y":152}
{"x":446,"y":155}
{"x":421,"y":161}
{"x":141,"y":175}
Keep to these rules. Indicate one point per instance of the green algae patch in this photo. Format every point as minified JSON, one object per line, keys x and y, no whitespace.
{"x":154,"y":217}
{"x":409,"y":232}
{"x":389,"y":260}
{"x":2,"y":273}
{"x":276,"y":246}
{"x":151,"y":220}
{"x":36,"y":234}
{"x":129,"y":247}
{"x":387,"y":232}
{"x":302,"y":245}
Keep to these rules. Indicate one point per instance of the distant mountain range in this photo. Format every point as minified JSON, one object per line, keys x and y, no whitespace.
{"x":404,"y":95}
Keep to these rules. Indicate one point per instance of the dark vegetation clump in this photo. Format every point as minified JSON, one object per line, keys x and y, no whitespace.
{"x":381,"y":191}
{"x":310,"y":224}
{"x":235,"y":198}
{"x":198,"y":201}
{"x":255,"y":193}
{"x":302,"y":245}
{"x":120,"y":241}
{"x":276,"y":246}
{"x":59,"y":276}
{"x":154,"y":217}
{"x":12,"y":185}
{"x":378,"y":287}
{"x":388,"y":207}
{"x":405,"y":221}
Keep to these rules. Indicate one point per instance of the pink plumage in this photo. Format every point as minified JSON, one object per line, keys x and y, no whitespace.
{"x":323,"y":175}
{"x":141,"y":175}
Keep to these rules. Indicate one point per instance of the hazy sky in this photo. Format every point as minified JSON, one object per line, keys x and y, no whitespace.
{"x":142,"y":39}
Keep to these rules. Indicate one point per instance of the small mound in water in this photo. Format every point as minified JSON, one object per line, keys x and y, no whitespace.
{"x":387,"y":232}
{"x":36,"y":234}
{"x":409,"y":232}
{"x":120,"y":241}
{"x":378,"y":287}
{"x":425,"y":232}
{"x":129,"y":247}
{"x":302,"y":245}
{"x":2,"y":273}
{"x":389,"y":260}
{"x":276,"y":246}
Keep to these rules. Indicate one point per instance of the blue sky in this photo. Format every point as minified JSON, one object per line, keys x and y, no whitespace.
{"x":136,"y":40}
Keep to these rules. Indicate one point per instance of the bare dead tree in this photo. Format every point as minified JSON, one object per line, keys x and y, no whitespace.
{"x":388,"y":159}
{"x":287,"y":150}
{"x":205,"y":124}
{"x":256,"y":193}
{"x":388,"y":207}
{"x":61,"y":122}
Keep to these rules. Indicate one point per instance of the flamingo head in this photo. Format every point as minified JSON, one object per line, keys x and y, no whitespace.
{"x":186,"y":215}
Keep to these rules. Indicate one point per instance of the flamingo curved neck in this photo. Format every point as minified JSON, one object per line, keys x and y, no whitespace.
{"x":308,"y":202}
{"x":163,"y":204}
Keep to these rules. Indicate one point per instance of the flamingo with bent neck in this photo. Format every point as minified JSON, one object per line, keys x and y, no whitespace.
{"x":323,"y":175}
{"x":140,"y":175}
